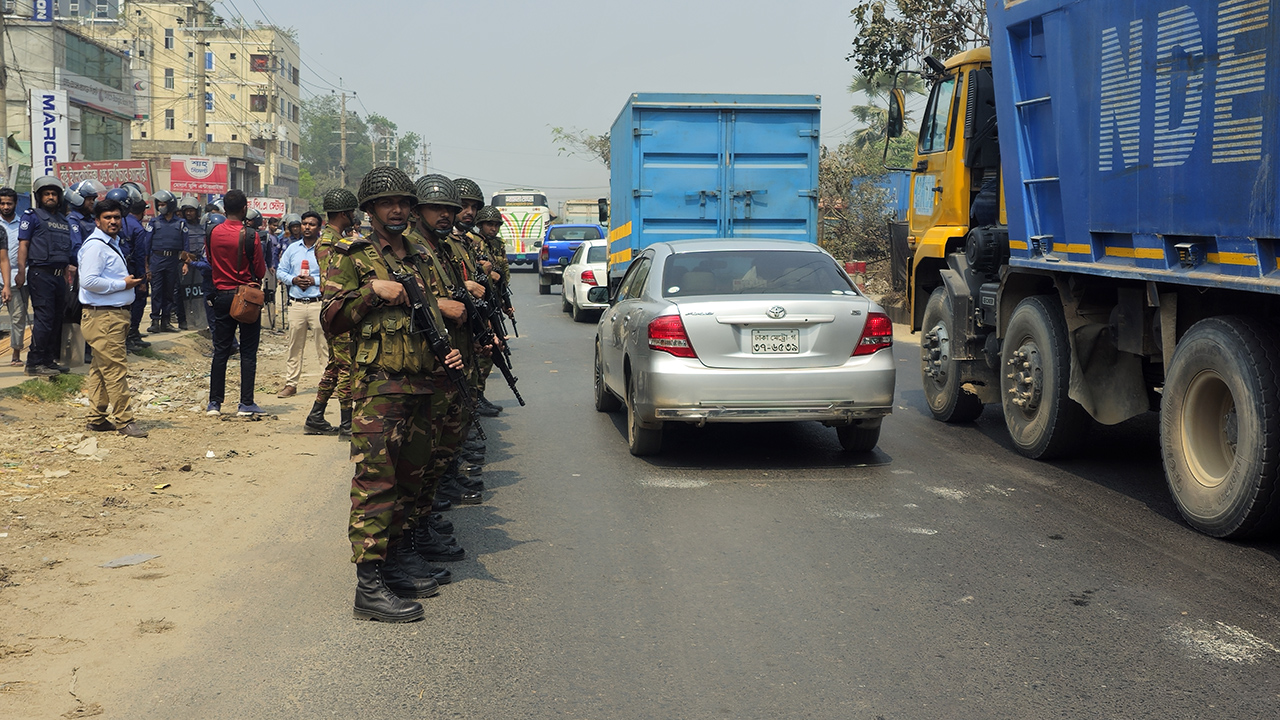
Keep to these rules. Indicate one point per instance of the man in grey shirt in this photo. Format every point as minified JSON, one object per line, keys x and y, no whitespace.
{"x":14,"y":278}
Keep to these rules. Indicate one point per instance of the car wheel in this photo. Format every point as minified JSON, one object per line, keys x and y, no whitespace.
{"x":1219,"y":417}
{"x":565,"y":305}
{"x":579,"y":315}
{"x":947,"y":399}
{"x":605,"y":400}
{"x":640,"y":440}
{"x":1043,"y":421}
{"x":858,"y":438}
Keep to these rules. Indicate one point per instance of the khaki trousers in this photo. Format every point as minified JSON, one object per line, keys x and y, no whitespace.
{"x":105,"y":329}
{"x":303,"y":317}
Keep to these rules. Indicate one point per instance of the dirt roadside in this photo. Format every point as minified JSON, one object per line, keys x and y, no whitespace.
{"x":196,"y":493}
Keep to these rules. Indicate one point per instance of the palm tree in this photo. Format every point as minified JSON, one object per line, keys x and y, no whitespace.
{"x":874,"y":116}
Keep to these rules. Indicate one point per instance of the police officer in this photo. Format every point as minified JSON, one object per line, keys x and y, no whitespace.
{"x":134,"y":244}
{"x":44,"y":249}
{"x":168,"y":244}
{"x":81,"y":198}
{"x":189,"y":210}
{"x":391,"y":392}
{"x":201,"y":263}
{"x":339,"y":207}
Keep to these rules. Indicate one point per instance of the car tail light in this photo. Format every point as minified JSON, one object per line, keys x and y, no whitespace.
{"x":877,"y":334}
{"x":589,"y":278}
{"x":546,"y":253}
{"x":666,"y":333}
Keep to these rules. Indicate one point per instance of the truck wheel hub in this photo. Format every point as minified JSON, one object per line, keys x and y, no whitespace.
{"x":935,"y":353}
{"x":1027,"y":376}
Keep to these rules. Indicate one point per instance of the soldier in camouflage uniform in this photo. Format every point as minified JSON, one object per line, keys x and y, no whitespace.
{"x":488,"y":226}
{"x":469,"y":241}
{"x":392,"y":387}
{"x":339,"y":206}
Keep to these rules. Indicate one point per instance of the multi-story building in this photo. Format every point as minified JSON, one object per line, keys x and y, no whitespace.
{"x":252,"y":95}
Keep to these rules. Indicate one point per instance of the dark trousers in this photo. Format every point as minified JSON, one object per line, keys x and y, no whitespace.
{"x":165,"y":274}
{"x":224,"y":336}
{"x":48,"y":290}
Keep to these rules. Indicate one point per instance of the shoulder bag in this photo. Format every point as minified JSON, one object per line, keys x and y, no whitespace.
{"x":246,"y":306}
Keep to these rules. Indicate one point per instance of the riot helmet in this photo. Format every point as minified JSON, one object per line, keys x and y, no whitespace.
{"x":253,"y":218}
{"x":45,"y":182}
{"x":89,"y":189}
{"x":166,"y":199}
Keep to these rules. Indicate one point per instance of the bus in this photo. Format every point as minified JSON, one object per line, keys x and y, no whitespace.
{"x":525,"y":215}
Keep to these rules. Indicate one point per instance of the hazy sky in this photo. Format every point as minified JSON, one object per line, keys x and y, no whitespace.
{"x":485,"y":80}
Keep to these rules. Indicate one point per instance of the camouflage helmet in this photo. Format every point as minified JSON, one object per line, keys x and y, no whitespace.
{"x":339,"y":200}
{"x":385,"y":181}
{"x":490,"y":214}
{"x":469,"y":190}
{"x":437,"y":190}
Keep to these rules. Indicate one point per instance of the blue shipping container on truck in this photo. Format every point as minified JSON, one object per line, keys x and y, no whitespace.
{"x":712,"y":165}
{"x":1144,"y":140}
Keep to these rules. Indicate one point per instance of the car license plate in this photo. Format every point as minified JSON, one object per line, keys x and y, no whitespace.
{"x":775,"y":342}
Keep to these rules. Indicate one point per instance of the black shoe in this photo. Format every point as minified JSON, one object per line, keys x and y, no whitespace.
{"x":416,"y":566}
{"x":61,"y":369}
{"x":344,"y":429}
{"x":375,"y":601}
{"x":153,"y":328}
{"x":453,"y":492}
{"x":401,"y":581}
{"x":474,"y":446}
{"x":41,"y":371}
{"x":167,"y":328}
{"x":183,"y":326}
{"x":439,"y":524}
{"x":315,"y":423}
{"x":436,"y":547}
{"x":440,"y":505}
{"x":100,"y":426}
{"x":470,"y":483}
{"x":469,"y":469}
{"x":489,"y":410}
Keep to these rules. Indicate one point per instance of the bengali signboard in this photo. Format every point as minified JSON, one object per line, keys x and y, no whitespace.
{"x":192,"y":174}
{"x":269,"y":207}
{"x":93,"y":94}
{"x":111,"y":173}
{"x":50,"y":130}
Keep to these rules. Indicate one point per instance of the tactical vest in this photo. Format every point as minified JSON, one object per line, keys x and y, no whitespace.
{"x":195,"y":240}
{"x":50,"y":238}
{"x":168,"y":235}
{"x":80,"y":228}
{"x":384,"y":338}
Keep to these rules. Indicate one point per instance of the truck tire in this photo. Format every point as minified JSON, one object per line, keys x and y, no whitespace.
{"x":1035,"y":374}
{"x":605,"y":400}
{"x":641,"y":440}
{"x":857,"y":438}
{"x":943,"y":391}
{"x":1220,"y":427}
{"x":543,"y":288}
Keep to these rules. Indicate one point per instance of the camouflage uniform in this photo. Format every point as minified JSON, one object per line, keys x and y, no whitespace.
{"x":462,"y":248}
{"x":337,"y":373}
{"x":392,"y":387}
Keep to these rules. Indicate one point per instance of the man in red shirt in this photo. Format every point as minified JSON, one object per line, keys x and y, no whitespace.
{"x":232,"y":266}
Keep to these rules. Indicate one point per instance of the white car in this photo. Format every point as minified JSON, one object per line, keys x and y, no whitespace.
{"x":588,"y":268}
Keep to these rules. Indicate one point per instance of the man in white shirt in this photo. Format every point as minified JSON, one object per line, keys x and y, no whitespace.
{"x":304,"y":300}
{"x":107,"y":292}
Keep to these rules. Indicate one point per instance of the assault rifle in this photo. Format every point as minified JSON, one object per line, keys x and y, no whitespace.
{"x":480,"y":316}
{"x":420,"y":311}
{"x":505,"y":298}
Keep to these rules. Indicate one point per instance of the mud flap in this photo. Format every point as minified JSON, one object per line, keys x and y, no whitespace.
{"x":1107,"y":382}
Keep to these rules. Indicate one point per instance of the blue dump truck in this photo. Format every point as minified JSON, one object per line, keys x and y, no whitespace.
{"x":712,"y":166}
{"x":1095,"y":232}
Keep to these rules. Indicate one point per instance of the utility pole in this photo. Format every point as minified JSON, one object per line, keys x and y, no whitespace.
{"x":342,"y":131}
{"x":4,"y":105}
{"x":202,"y":89}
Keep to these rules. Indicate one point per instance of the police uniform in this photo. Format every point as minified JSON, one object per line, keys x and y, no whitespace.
{"x":136,"y":250}
{"x":81,"y":226}
{"x":48,"y":253}
{"x":168,"y":243}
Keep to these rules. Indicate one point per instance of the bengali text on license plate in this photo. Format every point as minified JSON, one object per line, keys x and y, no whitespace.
{"x":773,"y":342}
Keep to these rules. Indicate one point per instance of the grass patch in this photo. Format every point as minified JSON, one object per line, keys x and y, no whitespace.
{"x":54,"y":389}
{"x":148,"y":353}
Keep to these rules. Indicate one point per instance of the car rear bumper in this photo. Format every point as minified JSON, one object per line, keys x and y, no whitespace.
{"x":676,"y":389}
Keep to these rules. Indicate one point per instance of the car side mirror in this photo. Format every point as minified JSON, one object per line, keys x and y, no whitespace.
{"x":599,"y":295}
{"x":602,"y":210}
{"x":897,"y":105}
{"x":537,"y":243}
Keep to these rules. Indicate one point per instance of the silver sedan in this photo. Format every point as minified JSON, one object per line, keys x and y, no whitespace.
{"x":734,"y":330}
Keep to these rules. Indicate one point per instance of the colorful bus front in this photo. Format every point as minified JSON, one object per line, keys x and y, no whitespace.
{"x":525,"y":215}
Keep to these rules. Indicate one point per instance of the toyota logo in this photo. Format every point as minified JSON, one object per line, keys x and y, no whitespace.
{"x":777,"y":312}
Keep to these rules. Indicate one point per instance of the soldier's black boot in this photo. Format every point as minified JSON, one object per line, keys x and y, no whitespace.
{"x":439,"y":524}
{"x":486,"y":408}
{"x":436,"y":547}
{"x":315,"y":423}
{"x":344,"y":429}
{"x":375,"y":601}
{"x":405,"y":577}
{"x":452,"y":491}
{"x":406,"y":555}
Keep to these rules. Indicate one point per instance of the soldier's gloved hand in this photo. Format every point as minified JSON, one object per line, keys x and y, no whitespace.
{"x":454,"y":359}
{"x":391,"y":292}
{"x":475,"y":288}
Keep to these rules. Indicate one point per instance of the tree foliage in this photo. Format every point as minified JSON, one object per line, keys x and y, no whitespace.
{"x":321,"y":149}
{"x":573,"y":141}
{"x":897,"y":34}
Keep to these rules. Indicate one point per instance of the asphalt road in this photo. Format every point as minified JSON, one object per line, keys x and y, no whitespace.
{"x":756,"y":572}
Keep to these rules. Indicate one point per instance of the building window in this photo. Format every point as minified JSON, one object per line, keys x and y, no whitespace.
{"x":94,"y":61}
{"x":258,"y":103}
{"x":168,"y":78}
{"x":259,"y":63}
{"x":144,"y":134}
{"x":295,"y":76}
{"x":208,"y":138}
{"x":234,"y":137}
{"x":168,"y":119}
{"x":168,"y":39}
{"x":208,"y":61}
{"x":73,"y":8}
{"x":102,"y":11}
{"x":293,"y":112}
{"x":208,"y":102}
{"x":295,"y":150}
{"x":233,"y":56}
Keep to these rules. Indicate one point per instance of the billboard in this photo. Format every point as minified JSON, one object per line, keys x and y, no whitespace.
{"x":112,"y":173}
{"x":50,"y":130}
{"x":191,"y":174}
{"x":269,"y":207}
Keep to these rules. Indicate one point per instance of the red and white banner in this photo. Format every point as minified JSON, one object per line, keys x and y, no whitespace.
{"x":111,"y":173}
{"x":190,"y":174}
{"x":269,"y":207}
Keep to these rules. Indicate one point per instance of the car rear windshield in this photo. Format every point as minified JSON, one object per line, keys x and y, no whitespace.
{"x":597,"y":254}
{"x":574,"y":233}
{"x":753,"y":272}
